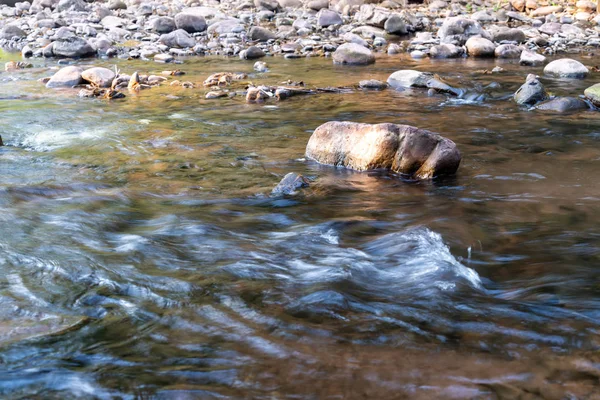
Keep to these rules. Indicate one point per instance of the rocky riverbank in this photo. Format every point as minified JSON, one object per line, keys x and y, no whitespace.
{"x":350,"y":31}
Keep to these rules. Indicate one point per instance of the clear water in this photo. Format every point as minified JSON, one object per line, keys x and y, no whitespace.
{"x":141,"y":256}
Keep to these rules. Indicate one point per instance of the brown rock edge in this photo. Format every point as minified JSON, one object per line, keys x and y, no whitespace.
{"x":400,"y":148}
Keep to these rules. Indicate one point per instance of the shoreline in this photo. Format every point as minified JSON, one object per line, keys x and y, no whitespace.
{"x":162,"y":32}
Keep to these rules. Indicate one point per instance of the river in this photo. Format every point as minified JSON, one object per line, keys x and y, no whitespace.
{"x":141,"y":255}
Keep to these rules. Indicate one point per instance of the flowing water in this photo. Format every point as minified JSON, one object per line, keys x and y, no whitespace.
{"x":141,"y":255}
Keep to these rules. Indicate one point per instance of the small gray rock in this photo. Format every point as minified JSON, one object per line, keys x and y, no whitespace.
{"x":563,"y":104}
{"x":531,"y":58}
{"x":164,"y":25}
{"x":550,"y":28}
{"x":508,"y":51}
{"x":179,"y":39}
{"x":502,"y":33}
{"x":163,"y":58}
{"x":72,"y":47}
{"x":290,"y":184}
{"x":260,"y":34}
{"x":226,"y":26}
{"x":373,"y":84}
{"x":395,"y":25}
{"x":117,"y":5}
{"x":318,"y":5}
{"x":71,"y":5}
{"x":260,"y":66}
{"x":327,"y":18}
{"x":531,"y":92}
{"x":190,"y":23}
{"x":408,"y":78}
{"x":459,"y":30}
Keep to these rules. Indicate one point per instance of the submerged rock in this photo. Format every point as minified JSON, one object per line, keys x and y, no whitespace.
{"x":531,"y":92}
{"x":447,"y":50}
{"x":66,"y":77}
{"x":408,"y":78}
{"x":563,"y":104}
{"x":260,"y":66}
{"x":190,"y":23}
{"x":566,"y":68}
{"x":290,"y":184}
{"x":372,"y":84}
{"x":354,"y":54}
{"x":399,"y":148}
{"x":327,"y":18}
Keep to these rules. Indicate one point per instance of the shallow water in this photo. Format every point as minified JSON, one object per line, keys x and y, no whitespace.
{"x":142,"y":257}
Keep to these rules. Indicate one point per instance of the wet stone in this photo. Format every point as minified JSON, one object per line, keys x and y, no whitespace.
{"x":372,"y":84}
{"x":531,"y":58}
{"x":353,"y":54}
{"x":566,"y":68}
{"x":163,"y":58}
{"x":531,"y":92}
{"x":290,"y":184}
{"x":563,"y":105}
{"x":593,"y":94}
{"x":66,"y":77}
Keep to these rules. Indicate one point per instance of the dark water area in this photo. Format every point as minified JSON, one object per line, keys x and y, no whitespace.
{"x":141,"y":255}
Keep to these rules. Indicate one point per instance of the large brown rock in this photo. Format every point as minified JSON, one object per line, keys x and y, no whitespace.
{"x":99,"y":76}
{"x":399,"y":148}
{"x":480,"y":47}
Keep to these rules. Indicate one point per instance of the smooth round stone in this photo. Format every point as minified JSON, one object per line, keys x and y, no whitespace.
{"x":354,"y":54}
{"x":593,"y":94}
{"x":480,"y":47}
{"x":65,"y":77}
{"x":101,"y":77}
{"x":566,"y":68}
